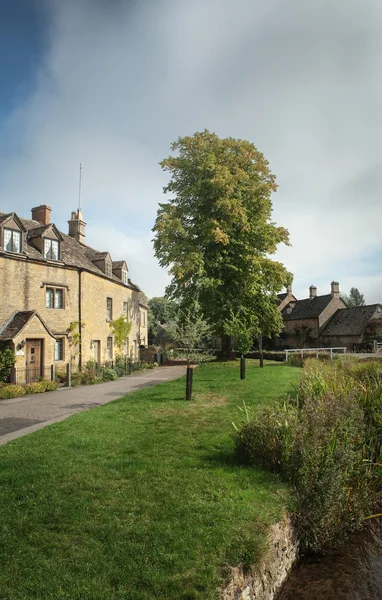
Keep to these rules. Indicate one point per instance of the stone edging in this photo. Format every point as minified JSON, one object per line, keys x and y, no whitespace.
{"x":267,"y":577}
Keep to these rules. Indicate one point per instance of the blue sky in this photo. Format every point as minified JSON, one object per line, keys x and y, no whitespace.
{"x":112,"y":84}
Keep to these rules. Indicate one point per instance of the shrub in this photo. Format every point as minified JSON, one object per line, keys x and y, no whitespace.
{"x":325,"y":440}
{"x":7,"y":360}
{"x":11,"y":390}
{"x":108,"y":374}
{"x":37,"y":387}
{"x":60,"y":375}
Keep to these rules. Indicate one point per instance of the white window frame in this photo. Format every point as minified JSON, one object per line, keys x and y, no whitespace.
{"x":125,"y":277}
{"x":108,"y":269}
{"x":49,"y":243}
{"x":59,"y":349}
{"x":109,"y":348}
{"x":11,"y":234}
{"x":53,"y":292}
{"x":109,"y":309}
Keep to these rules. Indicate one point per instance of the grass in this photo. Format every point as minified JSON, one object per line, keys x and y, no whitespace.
{"x":141,"y":498}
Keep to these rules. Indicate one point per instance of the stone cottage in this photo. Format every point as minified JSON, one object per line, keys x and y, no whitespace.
{"x":304,"y":320}
{"x":58,"y":296}
{"x":355,"y":328}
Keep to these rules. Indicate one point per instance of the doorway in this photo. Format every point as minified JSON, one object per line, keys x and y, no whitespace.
{"x":97,"y":351}
{"x":33,"y":360}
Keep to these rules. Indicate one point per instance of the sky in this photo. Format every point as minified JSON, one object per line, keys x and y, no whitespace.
{"x":111,"y":83}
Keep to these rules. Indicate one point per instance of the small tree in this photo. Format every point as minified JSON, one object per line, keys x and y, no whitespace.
{"x":74,"y":340}
{"x":120,"y":329}
{"x":7,"y":361}
{"x":190,"y":331}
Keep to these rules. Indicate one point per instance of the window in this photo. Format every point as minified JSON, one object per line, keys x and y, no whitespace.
{"x":109,"y":348}
{"x":51,"y":249}
{"x":54,"y":297}
{"x":108,"y":269}
{"x":12,"y":240}
{"x":125,"y":308}
{"x":59,"y":349}
{"x":109,"y":309}
{"x":124,"y":277}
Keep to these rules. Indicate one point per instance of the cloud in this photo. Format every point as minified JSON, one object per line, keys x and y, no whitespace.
{"x":120,"y":80}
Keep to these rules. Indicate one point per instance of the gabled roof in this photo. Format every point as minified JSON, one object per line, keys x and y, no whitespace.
{"x":119,"y":264}
{"x":350,"y":321}
{"x":5,"y":216}
{"x":73,"y":253}
{"x":18,"y":322}
{"x":39,"y":231}
{"x":309,"y":308}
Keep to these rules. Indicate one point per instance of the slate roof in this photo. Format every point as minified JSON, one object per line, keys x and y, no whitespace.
{"x":282,"y":297}
{"x":350,"y":321}
{"x":72,"y":253}
{"x":18,"y":322}
{"x":307,"y":309}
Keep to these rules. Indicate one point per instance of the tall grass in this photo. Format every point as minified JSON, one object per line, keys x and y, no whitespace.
{"x":325,"y":440}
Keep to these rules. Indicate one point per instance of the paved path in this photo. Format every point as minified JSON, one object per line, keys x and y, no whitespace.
{"x":20,"y":416}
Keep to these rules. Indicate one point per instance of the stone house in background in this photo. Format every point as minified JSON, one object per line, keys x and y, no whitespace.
{"x":354,"y":328}
{"x":304,"y":320}
{"x":326,"y":321}
{"x":58,"y":296}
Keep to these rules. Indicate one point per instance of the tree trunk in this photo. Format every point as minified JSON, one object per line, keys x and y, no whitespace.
{"x":260,"y":341}
{"x":242,"y":367}
{"x":227,"y":352}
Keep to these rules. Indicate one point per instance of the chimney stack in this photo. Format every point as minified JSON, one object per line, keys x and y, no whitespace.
{"x":335,"y":289}
{"x":41,"y":214}
{"x":312,"y":292}
{"x":289,"y":289}
{"x":77,"y":226}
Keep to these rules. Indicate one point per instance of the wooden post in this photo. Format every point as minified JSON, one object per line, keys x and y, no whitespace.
{"x":12,"y":375}
{"x":68,"y":375}
{"x":189,"y":382}
{"x":242,"y":367}
{"x":130,"y":366}
{"x":52,"y":373}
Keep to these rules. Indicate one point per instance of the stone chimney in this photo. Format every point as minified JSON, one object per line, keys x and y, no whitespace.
{"x":289,"y":289}
{"x":77,"y":226}
{"x":312,"y":292}
{"x":41,"y":214}
{"x":335,"y":289}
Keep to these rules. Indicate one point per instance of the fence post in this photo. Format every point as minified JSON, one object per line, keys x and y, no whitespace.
{"x":331,"y":353}
{"x":130,"y":366}
{"x":52,"y":372}
{"x":12,"y":375}
{"x":112,"y":364}
{"x":68,"y":375}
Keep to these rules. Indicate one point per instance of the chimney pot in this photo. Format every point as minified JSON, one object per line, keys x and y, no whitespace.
{"x":335,"y":286}
{"x":41,"y":214}
{"x":77,"y":227}
{"x":312,"y":292}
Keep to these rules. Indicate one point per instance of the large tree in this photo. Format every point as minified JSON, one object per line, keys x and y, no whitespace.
{"x":215,"y":232}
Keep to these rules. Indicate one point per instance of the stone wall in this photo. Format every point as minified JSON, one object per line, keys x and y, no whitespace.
{"x":267,"y":577}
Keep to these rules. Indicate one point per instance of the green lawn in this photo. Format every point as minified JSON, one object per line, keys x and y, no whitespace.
{"x":140,"y":499}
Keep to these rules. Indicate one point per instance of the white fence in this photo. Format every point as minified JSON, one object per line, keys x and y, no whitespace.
{"x":318,"y":351}
{"x":378,"y":346}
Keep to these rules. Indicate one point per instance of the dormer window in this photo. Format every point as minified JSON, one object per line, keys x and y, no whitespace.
{"x":51,"y":249}
{"x":124,"y":277}
{"x":108,"y":269}
{"x":12,"y":240}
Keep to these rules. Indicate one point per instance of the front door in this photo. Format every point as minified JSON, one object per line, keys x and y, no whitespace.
{"x":33,"y":360}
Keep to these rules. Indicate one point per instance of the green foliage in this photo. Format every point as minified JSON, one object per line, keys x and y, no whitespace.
{"x":74,"y":339}
{"x":7,"y":360}
{"x":189,"y":329}
{"x":161,"y":311}
{"x":215,"y":234}
{"x":326,"y":441}
{"x":355,"y":298}
{"x":243,"y":336}
{"x":120,"y":329}
{"x":11,"y":390}
{"x":108,"y":374}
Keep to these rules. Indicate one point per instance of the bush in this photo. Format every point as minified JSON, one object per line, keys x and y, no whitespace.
{"x":60,"y":375}
{"x":7,"y":360}
{"x":11,"y":390}
{"x":108,"y":374}
{"x":325,"y":441}
{"x":37,"y":387}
